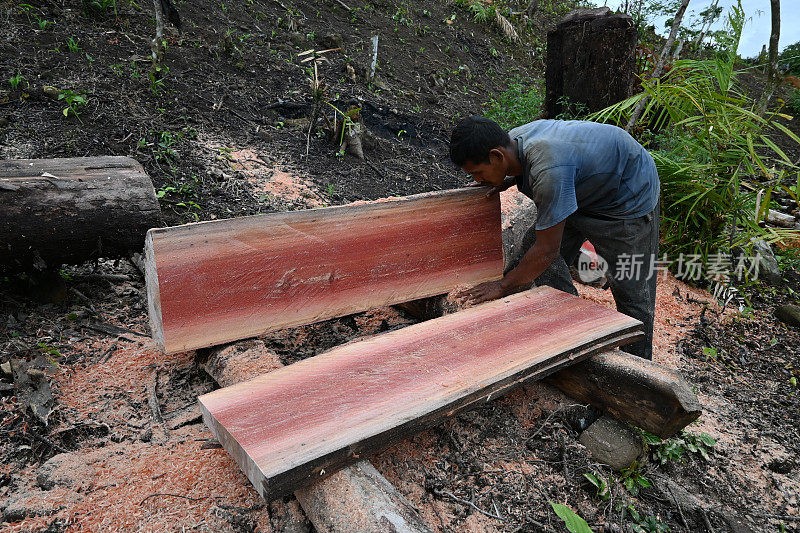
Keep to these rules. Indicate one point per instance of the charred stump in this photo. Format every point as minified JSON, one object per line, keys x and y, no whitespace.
{"x":56,"y":211}
{"x":590,"y":60}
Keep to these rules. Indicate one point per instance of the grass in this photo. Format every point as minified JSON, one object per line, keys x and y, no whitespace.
{"x":16,"y":80}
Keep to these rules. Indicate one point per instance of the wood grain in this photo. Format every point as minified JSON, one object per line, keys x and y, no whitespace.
{"x":643,"y":393}
{"x":295,"y":424}
{"x":356,"y":498}
{"x":70,"y":210}
{"x":215,"y":282}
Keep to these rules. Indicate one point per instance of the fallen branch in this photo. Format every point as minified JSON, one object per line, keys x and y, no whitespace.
{"x":41,"y":438}
{"x":465,"y":502}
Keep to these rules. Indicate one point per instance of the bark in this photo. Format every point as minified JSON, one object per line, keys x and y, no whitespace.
{"x":773,"y":77}
{"x":157,"y":44}
{"x":590,"y":60}
{"x":532,"y":9}
{"x":634,"y":390}
{"x":678,"y":49}
{"x":55,"y":211}
{"x":665,"y":52}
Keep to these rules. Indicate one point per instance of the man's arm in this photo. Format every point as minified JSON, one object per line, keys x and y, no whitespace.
{"x":543,"y":252}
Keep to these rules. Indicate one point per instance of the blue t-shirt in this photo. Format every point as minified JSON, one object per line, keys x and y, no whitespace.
{"x":578,"y":166}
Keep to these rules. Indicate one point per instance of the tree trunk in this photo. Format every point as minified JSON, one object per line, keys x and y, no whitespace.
{"x":532,"y":9}
{"x":157,"y":44}
{"x":590,"y":60}
{"x":55,"y":211}
{"x":676,"y":23}
{"x":772,"y":68}
{"x":678,"y":49}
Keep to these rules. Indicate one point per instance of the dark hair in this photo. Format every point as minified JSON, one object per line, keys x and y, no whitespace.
{"x":474,"y":137}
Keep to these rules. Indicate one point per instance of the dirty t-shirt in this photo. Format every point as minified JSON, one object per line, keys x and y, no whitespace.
{"x":578,"y":166}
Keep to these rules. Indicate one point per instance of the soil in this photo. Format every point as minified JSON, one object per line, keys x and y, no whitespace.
{"x":224,"y":133}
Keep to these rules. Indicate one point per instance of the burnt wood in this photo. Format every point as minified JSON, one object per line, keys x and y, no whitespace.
{"x":56,"y":211}
{"x":634,"y":390}
{"x":590,"y":61}
{"x":301,"y":422}
{"x":215,"y":282}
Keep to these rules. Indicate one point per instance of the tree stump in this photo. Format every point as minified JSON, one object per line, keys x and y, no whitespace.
{"x":56,"y":211}
{"x":590,"y":60}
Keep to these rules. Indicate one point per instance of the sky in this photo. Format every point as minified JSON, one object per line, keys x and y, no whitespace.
{"x":757,"y":29}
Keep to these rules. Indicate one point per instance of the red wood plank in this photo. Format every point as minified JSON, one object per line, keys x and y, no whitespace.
{"x":220,"y":281}
{"x":292,"y":425}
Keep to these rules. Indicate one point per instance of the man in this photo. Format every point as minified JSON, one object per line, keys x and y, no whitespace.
{"x":588,"y":181}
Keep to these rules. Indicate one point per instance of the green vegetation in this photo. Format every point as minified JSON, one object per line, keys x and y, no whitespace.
{"x":633,"y":479}
{"x":788,"y":259}
{"x":480,"y":11}
{"x":794,"y":102}
{"x":791,"y":58}
{"x":573,"y":522}
{"x":72,"y":44}
{"x":34,"y":16}
{"x":75,"y":101}
{"x":601,"y":485}
{"x":156,"y":78}
{"x":183,"y":196}
{"x":519,"y":105}
{"x":98,"y":7}
{"x":714,"y":154}
{"x":571,"y":110}
{"x":16,"y":80}
{"x":676,"y":448}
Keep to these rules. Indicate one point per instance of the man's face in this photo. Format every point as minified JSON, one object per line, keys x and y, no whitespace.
{"x":492,"y":173}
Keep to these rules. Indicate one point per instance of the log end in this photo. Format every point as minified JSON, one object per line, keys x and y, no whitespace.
{"x":643,"y":393}
{"x":153,"y":293}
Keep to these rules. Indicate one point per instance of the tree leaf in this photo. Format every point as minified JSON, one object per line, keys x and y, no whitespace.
{"x":574,"y":523}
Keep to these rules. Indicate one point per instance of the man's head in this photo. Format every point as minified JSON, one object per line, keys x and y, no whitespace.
{"x":483,"y":149}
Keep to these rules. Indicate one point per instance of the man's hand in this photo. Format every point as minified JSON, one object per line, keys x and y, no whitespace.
{"x":491,"y":290}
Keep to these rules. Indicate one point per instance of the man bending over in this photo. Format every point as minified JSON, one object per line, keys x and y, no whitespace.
{"x":588,"y":181}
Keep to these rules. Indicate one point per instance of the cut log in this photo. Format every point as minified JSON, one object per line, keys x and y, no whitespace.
{"x":215,"y":282}
{"x":356,"y":499}
{"x":634,"y":390}
{"x":776,"y":218}
{"x":591,"y":62}
{"x":55,"y":211}
{"x":301,"y":422}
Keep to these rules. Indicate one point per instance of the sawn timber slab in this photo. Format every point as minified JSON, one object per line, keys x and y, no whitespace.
{"x":220,"y":281}
{"x":295,"y":424}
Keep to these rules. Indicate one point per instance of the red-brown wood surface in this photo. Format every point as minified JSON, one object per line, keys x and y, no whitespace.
{"x":288,"y":426}
{"x":220,"y":281}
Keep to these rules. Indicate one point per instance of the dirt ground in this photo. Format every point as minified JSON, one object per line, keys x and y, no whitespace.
{"x":225,"y":134}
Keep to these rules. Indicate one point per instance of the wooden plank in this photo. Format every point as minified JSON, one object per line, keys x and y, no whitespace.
{"x":70,"y":210}
{"x":215,"y":282}
{"x":357,"y":497}
{"x":295,"y":424}
{"x":634,"y":390}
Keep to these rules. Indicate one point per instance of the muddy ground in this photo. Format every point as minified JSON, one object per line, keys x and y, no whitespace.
{"x":223,"y":134}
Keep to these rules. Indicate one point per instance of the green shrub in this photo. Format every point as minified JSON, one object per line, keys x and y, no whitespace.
{"x":791,"y":58}
{"x":794,"y":102}
{"x":720,"y":155}
{"x":518,"y":105}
